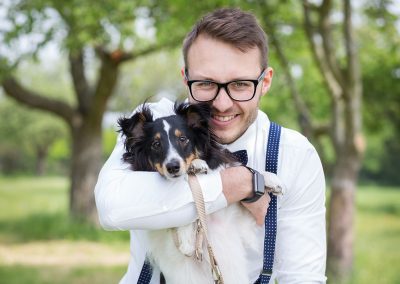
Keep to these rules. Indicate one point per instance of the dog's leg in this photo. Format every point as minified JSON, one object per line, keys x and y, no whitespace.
{"x":186,"y":239}
{"x":198,"y":166}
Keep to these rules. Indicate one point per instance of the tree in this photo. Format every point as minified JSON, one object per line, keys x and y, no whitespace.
{"x":336,"y":57}
{"x":82,"y":29}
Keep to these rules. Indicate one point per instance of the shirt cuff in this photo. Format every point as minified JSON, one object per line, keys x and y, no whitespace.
{"x":211,"y":185}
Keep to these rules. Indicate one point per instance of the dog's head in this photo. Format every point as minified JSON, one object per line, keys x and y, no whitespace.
{"x":167,"y":144}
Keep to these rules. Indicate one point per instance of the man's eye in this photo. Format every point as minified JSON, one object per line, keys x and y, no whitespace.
{"x":156,"y":145}
{"x":240,"y":84}
{"x":204,"y":85}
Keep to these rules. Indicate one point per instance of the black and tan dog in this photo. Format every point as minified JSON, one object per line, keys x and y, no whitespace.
{"x":171,"y":144}
{"x":175,"y":145}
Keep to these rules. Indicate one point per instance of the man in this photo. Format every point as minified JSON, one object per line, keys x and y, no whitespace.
{"x":226,"y":46}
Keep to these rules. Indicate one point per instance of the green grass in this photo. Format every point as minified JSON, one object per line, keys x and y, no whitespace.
{"x":377,"y":243}
{"x":34,"y":212}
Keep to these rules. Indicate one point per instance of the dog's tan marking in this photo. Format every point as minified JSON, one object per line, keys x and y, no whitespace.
{"x":158,"y":135}
{"x":189,"y":160}
{"x":196,"y":153}
{"x":178,"y":133}
{"x":159,"y":168}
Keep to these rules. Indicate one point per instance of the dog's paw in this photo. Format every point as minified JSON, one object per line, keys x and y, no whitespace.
{"x":273,"y":184}
{"x":186,"y":237}
{"x":198,"y":166}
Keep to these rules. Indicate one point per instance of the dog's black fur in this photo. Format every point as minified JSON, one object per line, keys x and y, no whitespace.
{"x":147,"y":143}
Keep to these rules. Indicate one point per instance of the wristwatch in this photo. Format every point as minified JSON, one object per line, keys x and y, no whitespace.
{"x":258,"y":186}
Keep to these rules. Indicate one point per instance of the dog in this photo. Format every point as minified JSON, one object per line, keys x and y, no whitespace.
{"x":173,"y":146}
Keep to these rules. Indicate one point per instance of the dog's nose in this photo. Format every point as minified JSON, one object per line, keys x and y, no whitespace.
{"x":173,"y":167}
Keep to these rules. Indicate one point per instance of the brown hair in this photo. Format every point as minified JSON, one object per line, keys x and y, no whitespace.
{"x":232,"y":26}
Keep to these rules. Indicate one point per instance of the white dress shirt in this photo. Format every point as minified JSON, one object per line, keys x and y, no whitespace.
{"x":140,"y":201}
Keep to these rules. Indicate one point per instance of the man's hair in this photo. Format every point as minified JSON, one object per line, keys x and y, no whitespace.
{"x":232,"y":26}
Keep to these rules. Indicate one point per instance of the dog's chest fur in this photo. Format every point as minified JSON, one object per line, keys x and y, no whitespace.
{"x":231,"y":233}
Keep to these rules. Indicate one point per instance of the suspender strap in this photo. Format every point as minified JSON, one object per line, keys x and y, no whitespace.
{"x":271,"y":218}
{"x":145,"y":273}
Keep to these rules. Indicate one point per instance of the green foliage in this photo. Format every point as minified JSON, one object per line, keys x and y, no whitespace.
{"x":148,"y":79}
{"x":75,"y":23}
{"x":25,"y":134}
{"x":381,"y":82}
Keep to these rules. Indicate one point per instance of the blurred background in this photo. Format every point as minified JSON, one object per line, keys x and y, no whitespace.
{"x":69,"y":69}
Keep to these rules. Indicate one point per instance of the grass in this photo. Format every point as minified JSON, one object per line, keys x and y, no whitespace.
{"x":40,"y":245}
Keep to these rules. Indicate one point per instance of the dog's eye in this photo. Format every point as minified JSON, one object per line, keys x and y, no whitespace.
{"x":183,"y":139}
{"x":156,"y":145}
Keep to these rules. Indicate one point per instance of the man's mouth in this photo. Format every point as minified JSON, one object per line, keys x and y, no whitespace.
{"x":223,"y":118}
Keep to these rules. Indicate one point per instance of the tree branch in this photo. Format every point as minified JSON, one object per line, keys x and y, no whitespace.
{"x":124,"y":56}
{"x":304,"y":117}
{"x":79,"y":80}
{"x":353,"y":70}
{"x":325,"y":30}
{"x":318,"y":53}
{"x":18,"y":92}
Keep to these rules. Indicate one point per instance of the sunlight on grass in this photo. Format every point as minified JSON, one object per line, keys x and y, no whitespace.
{"x":377,"y":244}
{"x":40,"y":244}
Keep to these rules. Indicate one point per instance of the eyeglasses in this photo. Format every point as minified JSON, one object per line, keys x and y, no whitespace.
{"x":237,"y":90}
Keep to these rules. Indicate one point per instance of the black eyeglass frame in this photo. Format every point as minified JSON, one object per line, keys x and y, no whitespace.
{"x":225,"y":86}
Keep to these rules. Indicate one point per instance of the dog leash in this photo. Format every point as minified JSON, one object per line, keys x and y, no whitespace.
{"x":201,"y":231}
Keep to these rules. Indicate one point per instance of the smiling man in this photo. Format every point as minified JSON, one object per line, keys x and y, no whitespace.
{"x":226,"y":65}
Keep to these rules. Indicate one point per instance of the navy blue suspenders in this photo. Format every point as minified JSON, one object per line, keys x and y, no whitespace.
{"x":270,"y":220}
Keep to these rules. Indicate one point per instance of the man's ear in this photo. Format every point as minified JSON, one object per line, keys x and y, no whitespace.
{"x":133,"y":126}
{"x":184,"y":77}
{"x":266,"y":82}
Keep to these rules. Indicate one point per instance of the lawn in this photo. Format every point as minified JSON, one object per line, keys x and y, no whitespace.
{"x":39,"y":245}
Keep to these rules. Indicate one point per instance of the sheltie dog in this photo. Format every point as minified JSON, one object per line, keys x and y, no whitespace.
{"x":172,"y":146}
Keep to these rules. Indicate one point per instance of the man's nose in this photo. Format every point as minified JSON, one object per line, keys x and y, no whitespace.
{"x":222,"y":102}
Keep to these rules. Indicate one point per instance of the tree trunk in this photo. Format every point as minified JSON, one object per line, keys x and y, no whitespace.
{"x":341,"y":218}
{"x":41,"y":156}
{"x":85,"y":166}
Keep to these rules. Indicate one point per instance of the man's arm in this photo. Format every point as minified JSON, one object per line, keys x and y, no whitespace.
{"x":301,"y":236}
{"x":237,"y":185}
{"x":144,"y":200}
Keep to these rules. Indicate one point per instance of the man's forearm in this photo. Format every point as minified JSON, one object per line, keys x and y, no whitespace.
{"x":236,"y":184}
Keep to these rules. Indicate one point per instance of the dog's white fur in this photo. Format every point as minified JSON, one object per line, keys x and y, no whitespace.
{"x":230,"y":232}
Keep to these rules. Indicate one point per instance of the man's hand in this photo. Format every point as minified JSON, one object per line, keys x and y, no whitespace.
{"x":237,"y":185}
{"x":259,"y":208}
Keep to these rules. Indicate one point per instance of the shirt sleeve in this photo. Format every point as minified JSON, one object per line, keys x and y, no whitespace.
{"x":301,"y":236}
{"x":128,"y":200}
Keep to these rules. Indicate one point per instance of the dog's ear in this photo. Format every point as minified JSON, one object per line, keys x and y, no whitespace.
{"x":196,"y":115}
{"x":133,"y":126}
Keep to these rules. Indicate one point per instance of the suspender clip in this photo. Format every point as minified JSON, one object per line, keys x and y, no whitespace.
{"x":266,"y":272}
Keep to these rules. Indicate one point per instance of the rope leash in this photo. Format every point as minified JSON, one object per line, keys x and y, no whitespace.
{"x":201,"y":231}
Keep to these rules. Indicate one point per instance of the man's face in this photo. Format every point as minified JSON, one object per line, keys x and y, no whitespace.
{"x":210,"y":59}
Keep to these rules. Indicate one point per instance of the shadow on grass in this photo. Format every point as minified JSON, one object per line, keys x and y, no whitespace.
{"x":54,"y":226}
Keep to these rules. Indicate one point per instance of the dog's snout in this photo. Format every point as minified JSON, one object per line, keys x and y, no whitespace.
{"x":173,"y":167}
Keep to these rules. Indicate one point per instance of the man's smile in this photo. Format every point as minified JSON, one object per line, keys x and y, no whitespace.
{"x":224,"y":118}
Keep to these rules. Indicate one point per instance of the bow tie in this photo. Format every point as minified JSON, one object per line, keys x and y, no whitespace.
{"x":241,"y":156}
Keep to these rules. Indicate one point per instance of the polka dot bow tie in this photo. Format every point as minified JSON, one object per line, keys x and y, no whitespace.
{"x":241,"y":156}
